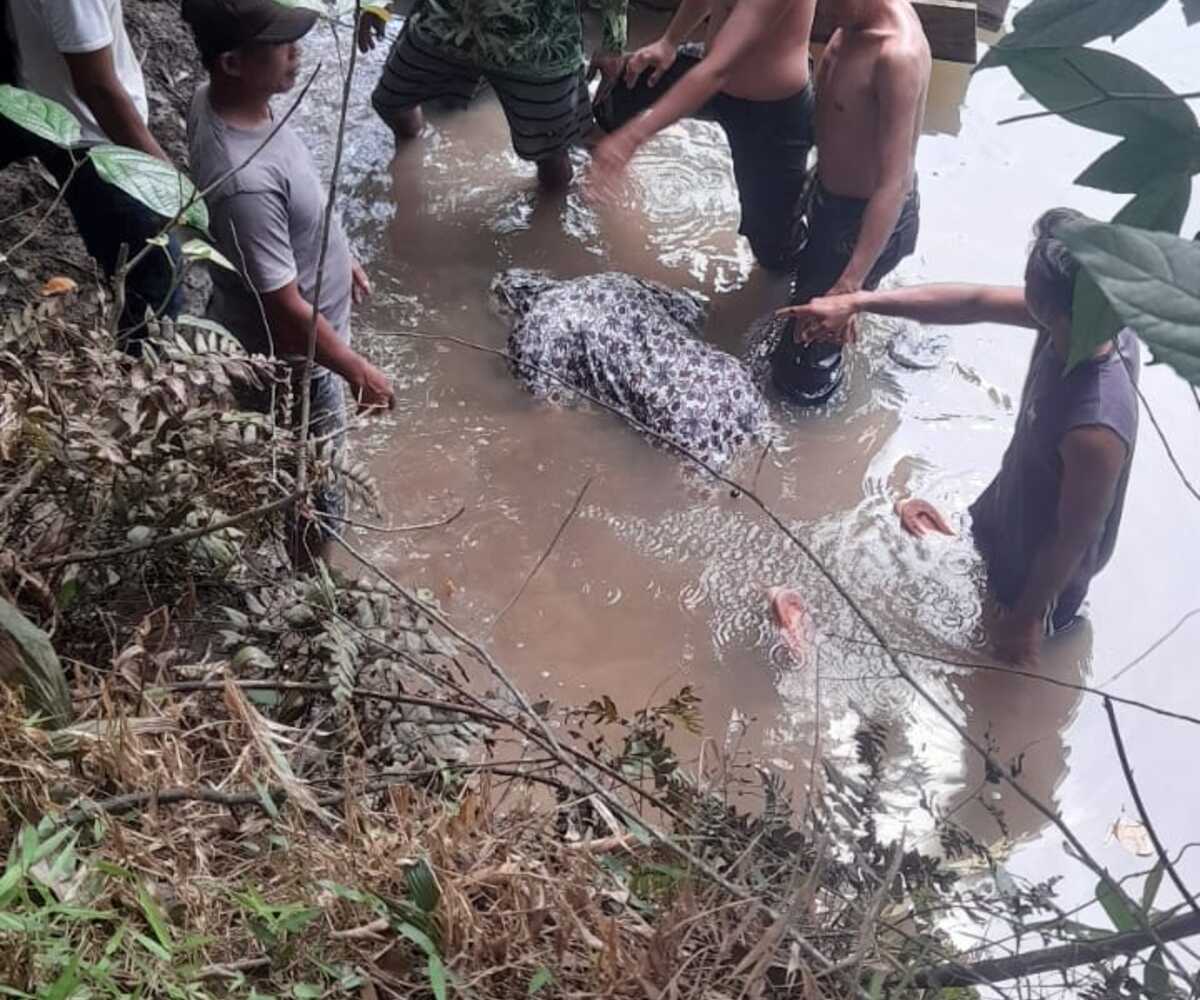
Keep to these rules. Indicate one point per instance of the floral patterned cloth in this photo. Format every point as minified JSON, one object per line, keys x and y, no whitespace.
{"x":632,"y":344}
{"x":534,"y":39}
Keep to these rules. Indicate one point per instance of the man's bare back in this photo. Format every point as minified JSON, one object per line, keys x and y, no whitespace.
{"x":778,"y":65}
{"x":873,"y":78}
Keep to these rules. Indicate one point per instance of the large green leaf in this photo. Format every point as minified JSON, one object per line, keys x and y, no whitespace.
{"x":1157,"y":982}
{"x":1063,"y":79}
{"x":1152,"y":281}
{"x":1109,"y":895}
{"x":1150,"y":888}
{"x":153,"y":182}
{"x":1132,"y":163}
{"x":46,"y":119}
{"x":1056,"y":23}
{"x":1161,"y":206}
{"x":36,"y":663}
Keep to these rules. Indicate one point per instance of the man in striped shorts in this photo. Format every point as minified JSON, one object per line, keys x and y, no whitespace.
{"x":530,"y":51}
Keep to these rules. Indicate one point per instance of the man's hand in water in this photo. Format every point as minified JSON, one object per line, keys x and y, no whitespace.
{"x":831,"y":317}
{"x":372,"y":389}
{"x":920,"y":517}
{"x":658,"y":57}
{"x":370,"y":31}
{"x":1017,"y":640}
{"x":360,"y":284}
{"x":604,"y":175}
{"x":609,"y":65}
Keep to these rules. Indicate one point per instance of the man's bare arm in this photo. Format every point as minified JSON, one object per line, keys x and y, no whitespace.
{"x":95,"y":80}
{"x":900,"y":80}
{"x":748,"y":24}
{"x":289,"y":318}
{"x":943,"y":305}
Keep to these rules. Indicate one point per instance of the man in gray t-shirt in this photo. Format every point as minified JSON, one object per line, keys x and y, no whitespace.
{"x":1047,"y":523}
{"x":268,"y":211}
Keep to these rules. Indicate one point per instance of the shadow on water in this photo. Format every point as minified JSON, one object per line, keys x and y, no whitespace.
{"x":661,"y":579}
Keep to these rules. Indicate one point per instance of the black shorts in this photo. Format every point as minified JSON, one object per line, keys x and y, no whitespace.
{"x":809,"y":373}
{"x":546,"y":117}
{"x":768,"y":140}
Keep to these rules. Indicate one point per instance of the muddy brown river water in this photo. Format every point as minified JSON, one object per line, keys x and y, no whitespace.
{"x":661,"y":579}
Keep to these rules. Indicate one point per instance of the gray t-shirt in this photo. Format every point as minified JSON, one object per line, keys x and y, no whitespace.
{"x":275,"y":207}
{"x":1018,"y":512}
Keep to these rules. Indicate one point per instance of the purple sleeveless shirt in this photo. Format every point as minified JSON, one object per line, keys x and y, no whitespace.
{"x":1017,"y":513}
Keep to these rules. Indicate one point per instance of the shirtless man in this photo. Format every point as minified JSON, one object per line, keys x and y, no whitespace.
{"x":752,"y":78}
{"x":863,"y":215}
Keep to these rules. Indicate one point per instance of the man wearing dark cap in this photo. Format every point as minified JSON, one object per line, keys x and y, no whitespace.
{"x":267,"y":218}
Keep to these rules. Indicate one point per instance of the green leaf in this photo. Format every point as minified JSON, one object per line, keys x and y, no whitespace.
{"x":875,"y":989}
{"x":155,"y":918}
{"x":64,"y":986}
{"x":1150,"y":888}
{"x":1133,"y":163}
{"x":417,"y":937}
{"x":152,"y":946}
{"x":199,"y":250}
{"x":46,"y":119}
{"x":1152,"y":281}
{"x":423,"y":887}
{"x":1157,"y":981}
{"x":1109,"y":895}
{"x":437,"y":976}
{"x":1063,"y":79}
{"x":156,"y":184}
{"x":1161,"y":206}
{"x":1057,"y":23}
{"x":307,"y":991}
{"x":543,"y":977}
{"x":264,"y":793}
{"x":37,"y":665}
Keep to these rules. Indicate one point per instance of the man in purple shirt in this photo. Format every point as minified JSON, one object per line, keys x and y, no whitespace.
{"x":1048,"y":521}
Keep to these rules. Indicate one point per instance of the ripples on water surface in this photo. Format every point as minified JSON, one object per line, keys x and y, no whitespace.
{"x":661,"y":580}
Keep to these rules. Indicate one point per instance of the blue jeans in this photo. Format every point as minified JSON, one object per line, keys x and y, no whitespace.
{"x":106,"y":218}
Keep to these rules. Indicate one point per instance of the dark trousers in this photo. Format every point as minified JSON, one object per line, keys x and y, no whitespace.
{"x":809,"y":373}
{"x":769,"y":142}
{"x":106,"y":218}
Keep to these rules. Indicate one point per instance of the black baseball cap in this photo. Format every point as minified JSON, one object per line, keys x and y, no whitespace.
{"x":225,"y":25}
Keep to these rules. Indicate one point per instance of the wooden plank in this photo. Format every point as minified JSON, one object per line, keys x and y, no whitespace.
{"x":949,"y":26}
{"x":992,"y":13}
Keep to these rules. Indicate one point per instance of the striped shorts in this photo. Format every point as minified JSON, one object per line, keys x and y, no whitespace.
{"x":545,"y":117}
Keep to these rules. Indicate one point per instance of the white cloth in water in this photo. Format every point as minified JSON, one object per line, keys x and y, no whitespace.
{"x":632,"y":344}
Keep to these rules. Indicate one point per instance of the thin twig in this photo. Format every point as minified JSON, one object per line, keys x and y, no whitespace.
{"x":545,"y":554}
{"x":1163,"y":858}
{"x":1065,"y":956}
{"x":1095,"y":102}
{"x":231,"y":970}
{"x":326,"y":229}
{"x":1033,"y":675}
{"x":394,"y":529}
{"x":62,"y":191}
{"x":1150,"y":649}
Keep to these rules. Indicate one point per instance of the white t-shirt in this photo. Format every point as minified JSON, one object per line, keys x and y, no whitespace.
{"x":44,"y":29}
